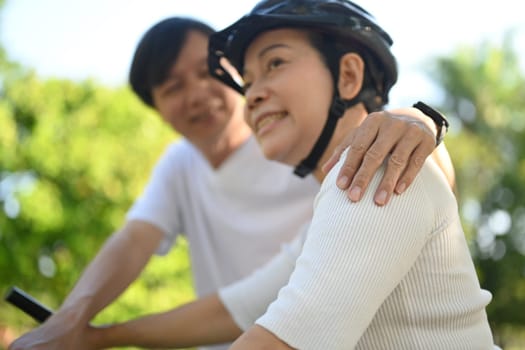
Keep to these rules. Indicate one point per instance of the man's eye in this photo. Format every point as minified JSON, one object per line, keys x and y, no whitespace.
{"x":172,"y":88}
{"x":204,"y":73}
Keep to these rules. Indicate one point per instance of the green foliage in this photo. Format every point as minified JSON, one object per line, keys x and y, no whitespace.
{"x":73,"y":157}
{"x":164,"y":283}
{"x":485,"y":94}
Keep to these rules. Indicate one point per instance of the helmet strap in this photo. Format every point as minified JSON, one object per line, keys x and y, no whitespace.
{"x":307,"y":165}
{"x":337,"y":110}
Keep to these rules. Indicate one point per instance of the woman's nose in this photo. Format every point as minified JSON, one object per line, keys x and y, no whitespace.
{"x":255,"y":94}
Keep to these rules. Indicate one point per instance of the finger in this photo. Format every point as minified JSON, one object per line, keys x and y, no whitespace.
{"x":397,"y":162}
{"x":372,"y":160}
{"x":416,"y":161}
{"x":425,"y":147}
{"x":392,"y":172}
{"x":336,"y":155}
{"x":388,"y":136}
{"x":364,"y":136}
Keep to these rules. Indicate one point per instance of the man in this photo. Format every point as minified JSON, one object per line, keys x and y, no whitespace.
{"x":214,"y":185}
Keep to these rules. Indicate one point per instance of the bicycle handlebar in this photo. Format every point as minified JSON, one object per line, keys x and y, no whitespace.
{"x":28,"y":304}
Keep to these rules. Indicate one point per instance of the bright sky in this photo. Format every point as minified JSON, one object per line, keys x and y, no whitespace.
{"x":78,"y":39}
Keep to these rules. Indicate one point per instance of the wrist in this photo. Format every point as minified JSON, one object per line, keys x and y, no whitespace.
{"x":440,"y":121}
{"x":75,"y":312}
{"x":108,"y":336}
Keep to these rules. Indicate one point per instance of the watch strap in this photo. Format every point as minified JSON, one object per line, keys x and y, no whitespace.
{"x":439,"y":119}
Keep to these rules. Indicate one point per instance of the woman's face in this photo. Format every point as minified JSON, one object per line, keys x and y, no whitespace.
{"x":288,"y":91}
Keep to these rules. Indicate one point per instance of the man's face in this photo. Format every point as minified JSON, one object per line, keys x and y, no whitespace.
{"x":195,"y":104}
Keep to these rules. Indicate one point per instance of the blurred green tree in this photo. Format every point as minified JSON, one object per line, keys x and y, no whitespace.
{"x":484,"y":93}
{"x":73,"y":157}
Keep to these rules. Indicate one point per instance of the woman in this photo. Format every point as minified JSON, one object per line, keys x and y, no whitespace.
{"x":207,"y":321}
{"x":397,"y":277}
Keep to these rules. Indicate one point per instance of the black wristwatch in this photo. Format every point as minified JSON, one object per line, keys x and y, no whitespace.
{"x":438,"y":118}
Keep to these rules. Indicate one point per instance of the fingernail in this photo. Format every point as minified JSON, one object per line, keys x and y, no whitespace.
{"x":355,"y":194}
{"x":401,"y":187}
{"x":342,"y":182}
{"x":381,"y":198}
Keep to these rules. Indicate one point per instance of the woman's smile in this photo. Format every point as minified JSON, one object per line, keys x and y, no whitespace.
{"x":266,"y":122}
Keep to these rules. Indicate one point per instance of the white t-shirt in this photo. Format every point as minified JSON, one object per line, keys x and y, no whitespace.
{"x":369,"y":277}
{"x":235,"y":218}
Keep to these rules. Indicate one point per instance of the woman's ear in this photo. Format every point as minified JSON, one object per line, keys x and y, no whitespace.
{"x":351,"y":74}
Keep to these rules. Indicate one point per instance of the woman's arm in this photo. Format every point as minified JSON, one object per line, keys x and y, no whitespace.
{"x":346,"y":269}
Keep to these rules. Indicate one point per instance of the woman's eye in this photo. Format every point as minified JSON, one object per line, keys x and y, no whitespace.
{"x":245,"y":87}
{"x":275,"y":63}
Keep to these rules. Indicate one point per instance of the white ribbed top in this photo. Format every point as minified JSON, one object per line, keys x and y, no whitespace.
{"x":368,"y":277}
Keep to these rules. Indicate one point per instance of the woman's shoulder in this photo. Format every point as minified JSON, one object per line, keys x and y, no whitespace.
{"x":430,"y":187}
{"x":433,"y":183}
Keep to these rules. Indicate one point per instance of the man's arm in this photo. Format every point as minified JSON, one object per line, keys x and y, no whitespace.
{"x":442,"y":159}
{"x":202,"y":322}
{"x":210,"y":320}
{"x":117,"y":264}
{"x":215,"y":319}
{"x":406,"y":134}
{"x":259,"y":338}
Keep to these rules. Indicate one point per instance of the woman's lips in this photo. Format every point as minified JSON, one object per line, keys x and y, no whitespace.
{"x":263,"y":122}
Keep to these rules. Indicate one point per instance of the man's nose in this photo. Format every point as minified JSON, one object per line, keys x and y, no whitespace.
{"x":198,"y":91}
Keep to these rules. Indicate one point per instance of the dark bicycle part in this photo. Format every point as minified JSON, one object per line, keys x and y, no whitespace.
{"x":28,"y":304}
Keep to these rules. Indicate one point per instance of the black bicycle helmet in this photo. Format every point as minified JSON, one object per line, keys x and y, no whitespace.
{"x":340,"y":18}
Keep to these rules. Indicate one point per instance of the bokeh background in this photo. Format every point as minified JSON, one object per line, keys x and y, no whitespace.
{"x":76,"y":146}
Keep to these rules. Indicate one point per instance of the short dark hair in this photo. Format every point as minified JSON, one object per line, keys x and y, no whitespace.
{"x":157,"y":51}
